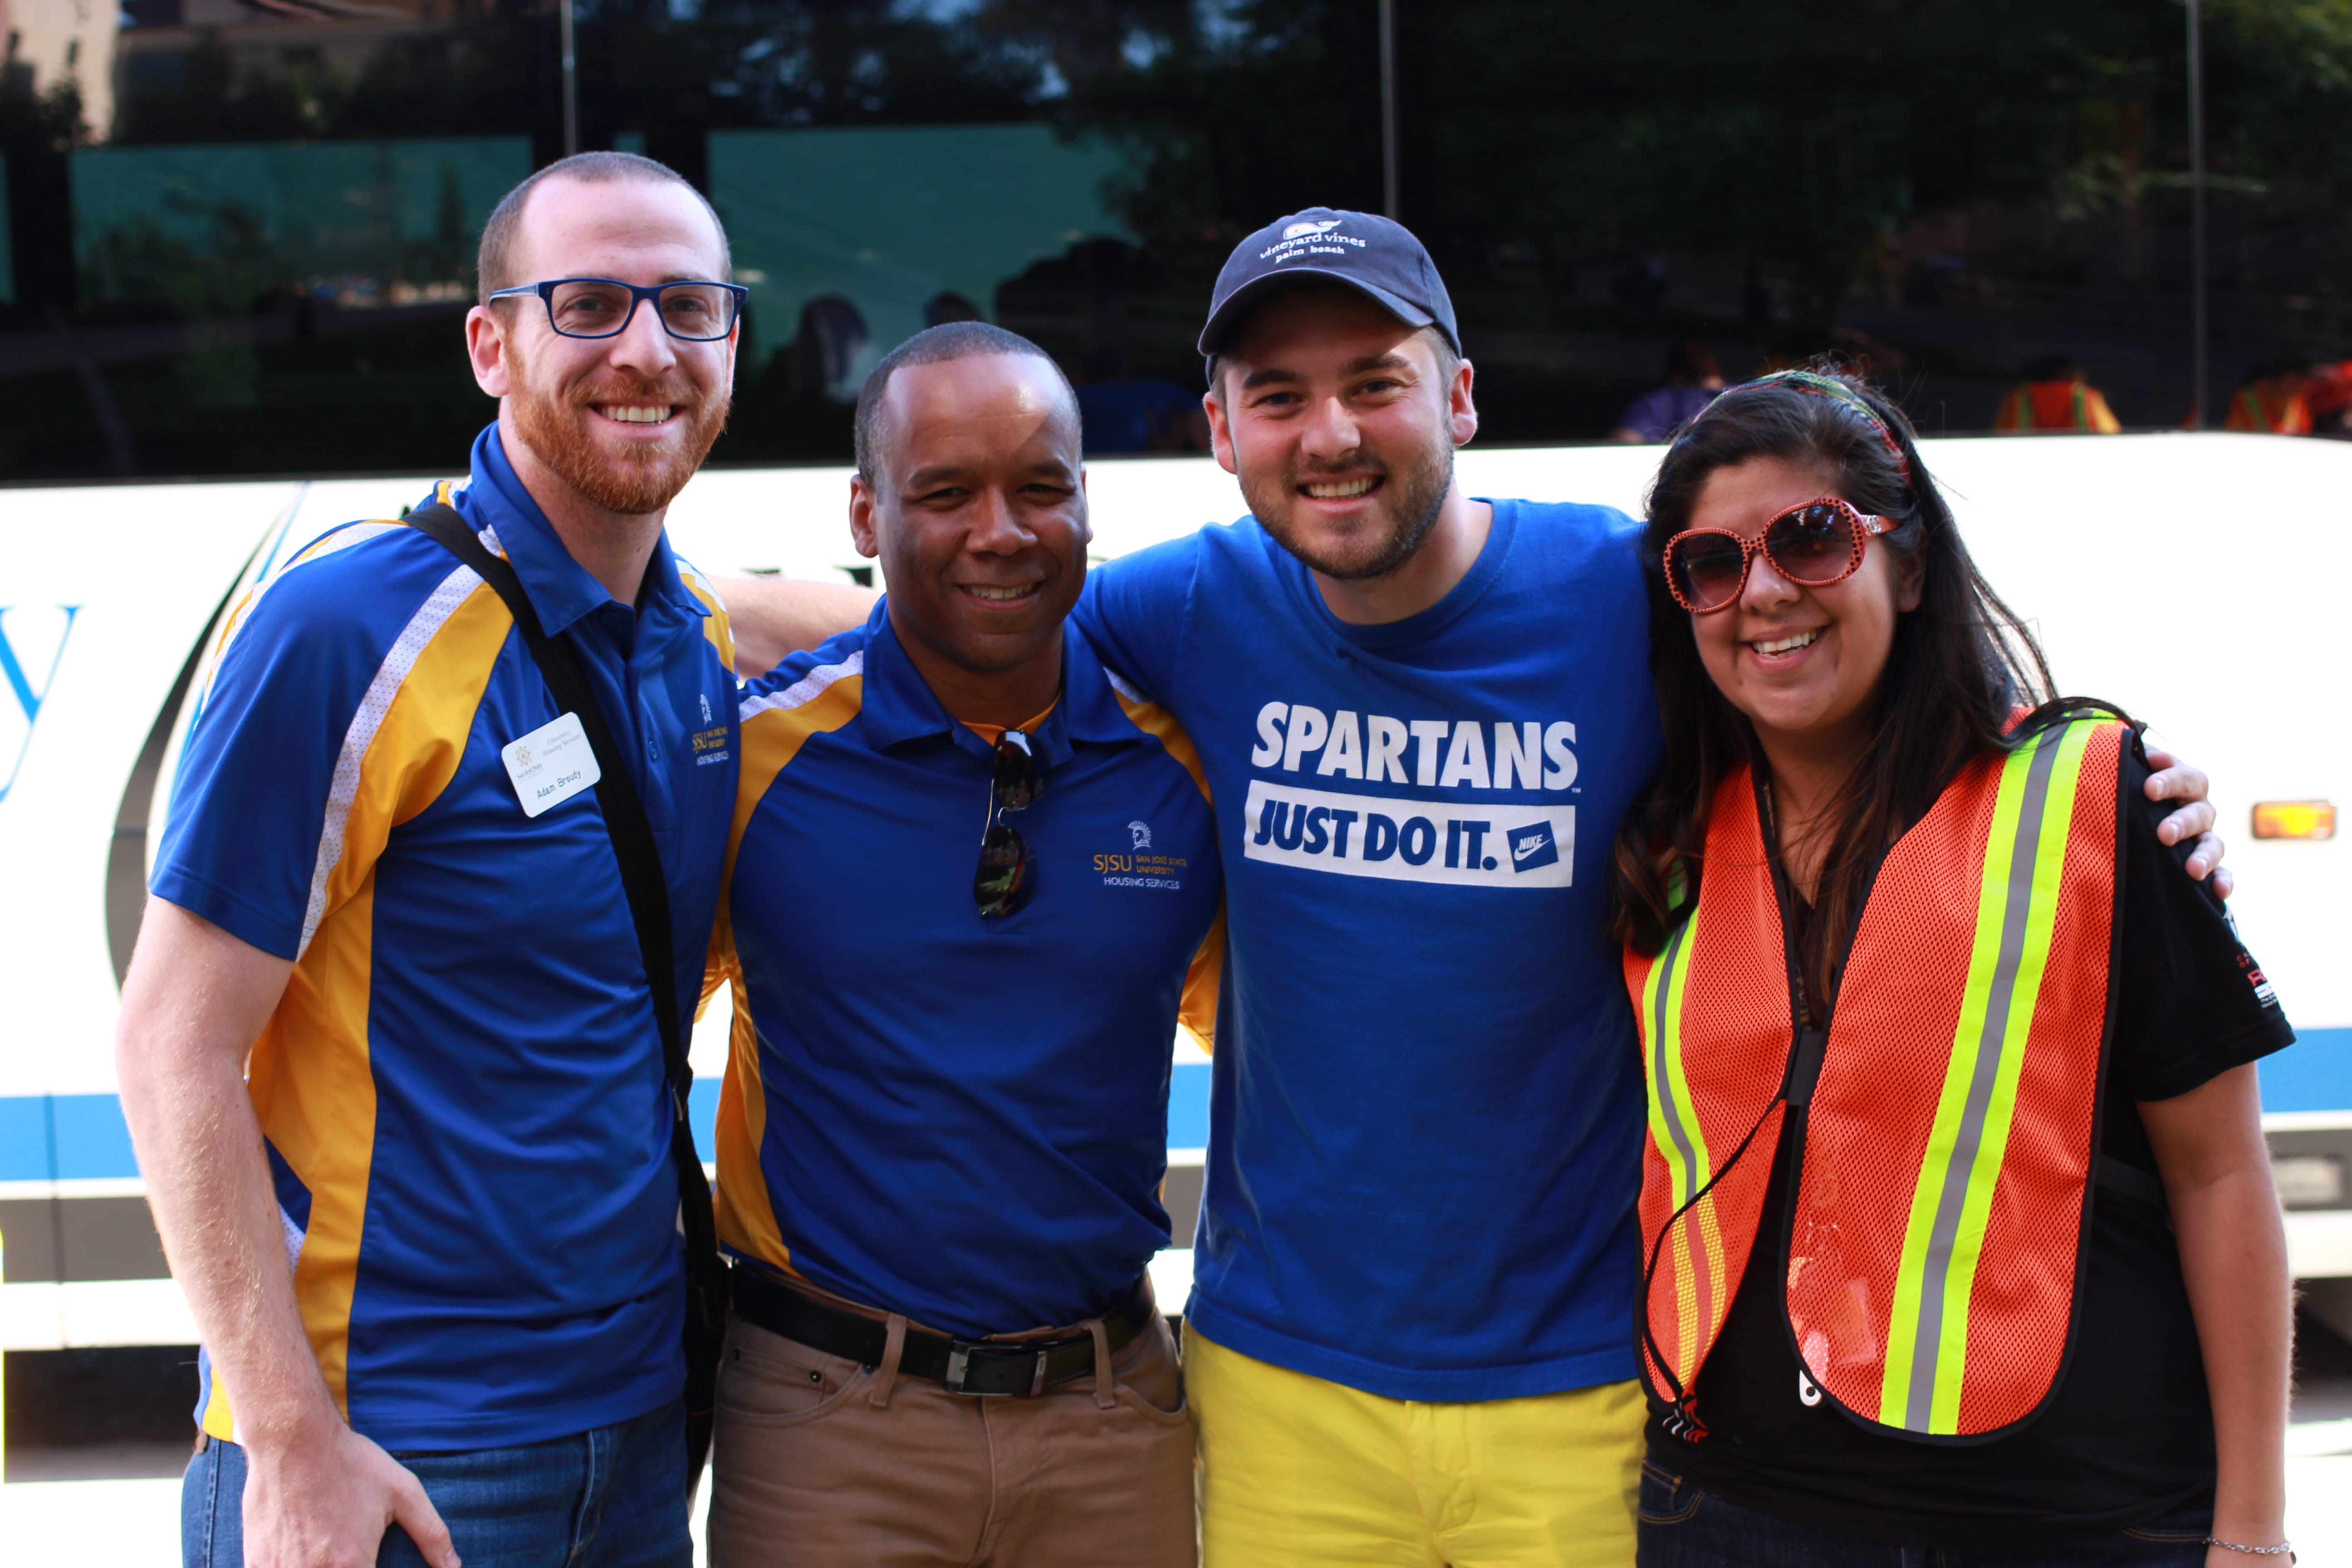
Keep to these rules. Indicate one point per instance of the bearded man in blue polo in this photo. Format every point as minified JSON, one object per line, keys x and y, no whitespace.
{"x":389,"y":1047}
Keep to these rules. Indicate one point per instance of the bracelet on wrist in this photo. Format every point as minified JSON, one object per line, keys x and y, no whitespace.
{"x":2283,"y":1549}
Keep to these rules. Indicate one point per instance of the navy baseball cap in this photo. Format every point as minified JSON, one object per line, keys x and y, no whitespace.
{"x":1375,"y":255}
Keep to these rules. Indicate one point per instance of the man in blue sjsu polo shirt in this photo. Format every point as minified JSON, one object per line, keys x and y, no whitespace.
{"x":970,"y":871}
{"x":387,"y":1045}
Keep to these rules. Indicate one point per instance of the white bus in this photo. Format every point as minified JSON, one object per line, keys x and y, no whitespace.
{"x":2200,"y":581}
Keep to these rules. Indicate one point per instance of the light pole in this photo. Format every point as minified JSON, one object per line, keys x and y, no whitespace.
{"x":2199,"y":325}
{"x":572,"y":80}
{"x":1388,"y":108}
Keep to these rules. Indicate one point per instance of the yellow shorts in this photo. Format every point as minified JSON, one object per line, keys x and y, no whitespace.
{"x":1298,"y":1471}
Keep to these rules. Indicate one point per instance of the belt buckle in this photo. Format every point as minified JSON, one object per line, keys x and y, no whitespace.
{"x":960,"y":1354}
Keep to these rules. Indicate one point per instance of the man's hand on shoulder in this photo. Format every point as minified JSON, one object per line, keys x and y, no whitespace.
{"x":775,"y":617}
{"x":2169,"y":778}
{"x":324,"y":1499}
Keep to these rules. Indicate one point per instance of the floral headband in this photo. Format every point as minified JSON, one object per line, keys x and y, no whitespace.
{"x":1828,"y":386}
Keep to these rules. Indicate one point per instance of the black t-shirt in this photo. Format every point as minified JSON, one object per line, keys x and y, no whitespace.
{"x":2129,"y":1433}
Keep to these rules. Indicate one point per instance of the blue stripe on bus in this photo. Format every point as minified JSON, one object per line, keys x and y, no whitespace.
{"x":64,"y":1138}
{"x":2313,"y":1074}
{"x":81,"y":1137}
{"x":24,"y":1139}
{"x":1188,"y":1106}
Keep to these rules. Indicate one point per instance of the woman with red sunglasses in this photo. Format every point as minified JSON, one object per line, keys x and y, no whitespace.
{"x":1959,"y":1235}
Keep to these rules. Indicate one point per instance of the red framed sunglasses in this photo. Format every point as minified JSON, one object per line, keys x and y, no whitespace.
{"x":1812,"y":546}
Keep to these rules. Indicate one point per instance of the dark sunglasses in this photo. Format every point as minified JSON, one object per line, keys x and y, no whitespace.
{"x":1812,"y":546}
{"x":1008,"y":870}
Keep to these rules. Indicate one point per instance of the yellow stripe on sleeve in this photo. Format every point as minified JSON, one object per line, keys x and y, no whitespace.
{"x":776,"y":725}
{"x":313,"y":1085}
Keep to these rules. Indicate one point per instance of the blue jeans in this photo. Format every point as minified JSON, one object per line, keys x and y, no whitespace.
{"x":1682,"y":1526}
{"x":612,"y":1498}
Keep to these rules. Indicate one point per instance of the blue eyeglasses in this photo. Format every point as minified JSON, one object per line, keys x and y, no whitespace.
{"x":695,"y":312}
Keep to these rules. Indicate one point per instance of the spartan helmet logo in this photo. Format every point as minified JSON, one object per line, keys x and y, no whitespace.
{"x":705,"y":708}
{"x":1141,"y":832}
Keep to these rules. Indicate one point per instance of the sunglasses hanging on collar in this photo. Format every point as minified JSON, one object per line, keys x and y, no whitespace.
{"x":1007,"y":875}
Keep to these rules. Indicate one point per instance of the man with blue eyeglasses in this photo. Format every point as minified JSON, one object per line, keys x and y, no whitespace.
{"x":389,"y":1047}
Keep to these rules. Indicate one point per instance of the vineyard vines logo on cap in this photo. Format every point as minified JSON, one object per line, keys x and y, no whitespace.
{"x":1141,"y":832}
{"x":32,"y":646}
{"x":1299,"y":229}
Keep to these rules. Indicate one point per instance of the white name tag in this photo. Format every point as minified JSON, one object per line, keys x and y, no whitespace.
{"x":552,"y":765}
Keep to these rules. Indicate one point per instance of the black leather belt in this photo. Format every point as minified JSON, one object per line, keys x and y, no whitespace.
{"x":983,"y":1367}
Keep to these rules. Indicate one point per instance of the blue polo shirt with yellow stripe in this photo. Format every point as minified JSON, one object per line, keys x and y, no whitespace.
{"x":958,"y":1119}
{"x":462,"y":1091}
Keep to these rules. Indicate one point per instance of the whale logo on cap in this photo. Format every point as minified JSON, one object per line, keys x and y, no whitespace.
{"x":1297,"y":229}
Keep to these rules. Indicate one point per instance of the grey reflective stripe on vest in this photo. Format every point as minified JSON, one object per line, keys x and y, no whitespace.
{"x":1984,"y":1072}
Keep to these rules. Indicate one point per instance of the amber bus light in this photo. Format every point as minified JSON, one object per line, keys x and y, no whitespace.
{"x":2295,"y":819}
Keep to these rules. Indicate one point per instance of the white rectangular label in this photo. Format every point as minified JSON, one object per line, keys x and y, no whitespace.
{"x":1499,"y":846}
{"x":552,"y":765}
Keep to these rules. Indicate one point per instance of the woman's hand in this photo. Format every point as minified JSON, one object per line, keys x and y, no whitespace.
{"x":2172,"y":779}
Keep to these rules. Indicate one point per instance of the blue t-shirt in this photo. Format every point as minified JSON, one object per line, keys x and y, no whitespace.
{"x":461,"y":1092}
{"x":1425,"y":1123}
{"x":958,"y":1119}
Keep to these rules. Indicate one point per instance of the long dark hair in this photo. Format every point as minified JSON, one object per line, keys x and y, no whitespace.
{"x":1961,"y":664}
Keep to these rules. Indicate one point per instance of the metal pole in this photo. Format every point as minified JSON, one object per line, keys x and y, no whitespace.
{"x":2199,"y":346}
{"x":1388,"y":108}
{"x":572,"y":81}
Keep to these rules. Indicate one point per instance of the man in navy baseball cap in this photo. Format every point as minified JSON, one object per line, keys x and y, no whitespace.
{"x":1377,"y":257}
{"x":1416,"y":1260}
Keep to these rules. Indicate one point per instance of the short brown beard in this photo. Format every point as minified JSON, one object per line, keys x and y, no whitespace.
{"x":551,"y":424}
{"x":1408,"y":502}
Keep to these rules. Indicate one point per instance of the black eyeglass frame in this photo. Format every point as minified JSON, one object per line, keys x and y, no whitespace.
{"x":639,"y":294}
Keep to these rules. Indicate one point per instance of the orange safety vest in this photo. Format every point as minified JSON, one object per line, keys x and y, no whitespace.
{"x":2054,"y":406}
{"x":1945,"y":1129}
{"x":2275,"y":406}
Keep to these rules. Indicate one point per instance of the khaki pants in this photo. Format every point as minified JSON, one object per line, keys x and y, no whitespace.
{"x":821,"y":1461}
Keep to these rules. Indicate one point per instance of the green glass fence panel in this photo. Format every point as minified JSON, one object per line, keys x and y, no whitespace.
{"x":210,"y":228}
{"x":890,"y":219}
{"x":7,"y":243}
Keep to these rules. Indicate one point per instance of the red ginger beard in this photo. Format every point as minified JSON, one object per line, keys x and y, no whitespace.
{"x":636,"y":482}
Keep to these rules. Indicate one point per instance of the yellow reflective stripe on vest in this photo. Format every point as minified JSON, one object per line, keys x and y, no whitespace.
{"x":1674,"y":1128}
{"x":2025,"y":855}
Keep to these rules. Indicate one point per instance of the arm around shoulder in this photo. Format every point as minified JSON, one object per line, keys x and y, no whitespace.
{"x":775,"y":616}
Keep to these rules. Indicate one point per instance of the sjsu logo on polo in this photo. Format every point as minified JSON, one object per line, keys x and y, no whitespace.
{"x":32,"y":644}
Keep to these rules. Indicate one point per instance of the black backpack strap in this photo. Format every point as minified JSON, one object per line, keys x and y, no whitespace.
{"x":648,"y":893}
